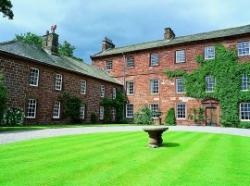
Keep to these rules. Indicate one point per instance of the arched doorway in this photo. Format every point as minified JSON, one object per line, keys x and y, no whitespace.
{"x":212,"y":112}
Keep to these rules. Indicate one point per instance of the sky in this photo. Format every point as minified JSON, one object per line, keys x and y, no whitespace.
{"x":84,"y":23}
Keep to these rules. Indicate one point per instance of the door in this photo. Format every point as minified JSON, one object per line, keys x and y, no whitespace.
{"x":211,"y":116}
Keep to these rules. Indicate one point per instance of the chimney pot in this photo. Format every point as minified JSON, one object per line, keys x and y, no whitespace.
{"x":169,"y":33}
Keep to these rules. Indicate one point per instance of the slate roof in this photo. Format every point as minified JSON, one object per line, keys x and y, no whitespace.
{"x":177,"y":40}
{"x":33,"y":52}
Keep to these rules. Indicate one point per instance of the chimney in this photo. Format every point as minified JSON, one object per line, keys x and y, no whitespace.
{"x":50,"y":41}
{"x":107,"y":44}
{"x":169,"y":33}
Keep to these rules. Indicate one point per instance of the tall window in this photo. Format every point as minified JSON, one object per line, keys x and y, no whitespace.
{"x":83,"y":87}
{"x":155,"y":109}
{"x":179,"y":82}
{"x":82,"y":112}
{"x":209,"y":52}
{"x":109,"y":65}
{"x":245,"y":111}
{"x":31,"y":109}
{"x":244,"y":82}
{"x":56,"y":110}
{"x":34,"y":77}
{"x":181,"y":111}
{"x":210,"y":83}
{"x":58,"y":82}
{"x":101,"y":115}
{"x":130,"y":61}
{"x":180,"y":56}
{"x":154,"y":60}
{"x":129,"y":111}
{"x":130,"y":87}
{"x":114,"y":93}
{"x":102,"y":89}
{"x":154,"y":86}
{"x":243,"y":48}
{"x":113,"y":113}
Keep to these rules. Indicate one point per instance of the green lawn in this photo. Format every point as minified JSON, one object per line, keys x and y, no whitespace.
{"x":124,"y":159}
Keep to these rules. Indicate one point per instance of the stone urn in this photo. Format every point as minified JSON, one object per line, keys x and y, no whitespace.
{"x":155,"y":135}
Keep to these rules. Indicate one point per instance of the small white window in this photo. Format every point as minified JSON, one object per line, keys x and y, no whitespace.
{"x":114,"y":93}
{"x":130,"y":61}
{"x":58,"y":82}
{"x":210,"y":83}
{"x":113,"y":113}
{"x":245,"y":111}
{"x":56,"y":110}
{"x":34,"y":77}
{"x":179,"y":82}
{"x":209,"y":52}
{"x":82,"y":112}
{"x":154,"y":60}
{"x":109,"y":65}
{"x":31,"y":109}
{"x":102,"y":89}
{"x":83,"y":87}
{"x":180,"y":56}
{"x":129,"y":111}
{"x":154,"y":86}
{"x":101,"y":115}
{"x":244,"y":82}
{"x":155,"y":110}
{"x":181,"y":111}
{"x":130,"y":87}
{"x":243,"y":48}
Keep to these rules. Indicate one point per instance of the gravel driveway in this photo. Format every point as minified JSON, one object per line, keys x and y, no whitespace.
{"x":9,"y":137}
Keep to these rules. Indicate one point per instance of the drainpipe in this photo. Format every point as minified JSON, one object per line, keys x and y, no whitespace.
{"x":124,"y":81}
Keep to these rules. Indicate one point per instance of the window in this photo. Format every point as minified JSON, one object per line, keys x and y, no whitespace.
{"x":244,"y":82}
{"x":179,"y":82}
{"x":82,"y":112}
{"x":109,"y":65}
{"x":130,"y":87}
{"x":31,"y":109}
{"x":155,"y":109}
{"x":209,"y":52}
{"x":243,"y":48}
{"x":154,"y":60}
{"x":113,"y":113}
{"x":114,"y":93}
{"x":210,"y":83}
{"x":180,"y":56}
{"x":154,"y":86}
{"x":181,"y":111}
{"x":101,"y":116}
{"x":58,"y":82}
{"x":34,"y":77}
{"x":102,"y":89}
{"x":129,"y":111}
{"x":56,"y":110}
{"x":245,"y":111}
{"x":130,"y":61}
{"x":83,"y":87}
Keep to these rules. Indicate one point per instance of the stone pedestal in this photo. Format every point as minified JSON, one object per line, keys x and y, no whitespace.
{"x":155,"y":135}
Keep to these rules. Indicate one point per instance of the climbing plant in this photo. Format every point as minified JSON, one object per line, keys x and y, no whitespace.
{"x":227,"y":71}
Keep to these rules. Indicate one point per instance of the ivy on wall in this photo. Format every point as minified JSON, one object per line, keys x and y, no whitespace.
{"x":227,"y":71}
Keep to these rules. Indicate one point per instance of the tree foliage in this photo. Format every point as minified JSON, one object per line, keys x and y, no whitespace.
{"x":144,"y":116}
{"x":5,"y":8}
{"x":66,"y":49}
{"x":30,"y":38}
{"x":3,"y":98}
{"x":227,"y":71}
{"x":170,"y":117}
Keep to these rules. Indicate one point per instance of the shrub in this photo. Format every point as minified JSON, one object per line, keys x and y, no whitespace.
{"x":170,"y":117}
{"x":245,"y":125}
{"x":14,"y":116}
{"x":93,"y":118}
{"x":3,"y":98}
{"x":197,"y":115}
{"x":144,"y":116}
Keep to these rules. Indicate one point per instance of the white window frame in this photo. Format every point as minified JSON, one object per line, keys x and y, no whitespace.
{"x":130,"y":62}
{"x":154,"y":86}
{"x":33,"y":77}
{"x":151,"y":106}
{"x":114,"y":93}
{"x":127,"y":113}
{"x":34,"y":104}
{"x":242,"y":50}
{"x":128,"y":88}
{"x":56,"y":110}
{"x":177,"y":81}
{"x":102,"y":91}
{"x":83,"y":87}
{"x":177,"y":113}
{"x":101,"y":113}
{"x":83,"y":112}
{"x":245,"y":82}
{"x":154,"y":59}
{"x":109,"y":65}
{"x":178,"y":54}
{"x":209,"y":82}
{"x":209,"y":52}
{"x":240,"y":115}
{"x":58,"y":82}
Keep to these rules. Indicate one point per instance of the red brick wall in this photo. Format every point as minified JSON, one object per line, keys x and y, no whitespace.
{"x":142,"y":73}
{"x":16,"y":73}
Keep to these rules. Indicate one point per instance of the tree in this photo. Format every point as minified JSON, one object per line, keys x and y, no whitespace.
{"x":30,"y":38}
{"x":5,"y":8}
{"x":3,"y":98}
{"x":66,"y":49}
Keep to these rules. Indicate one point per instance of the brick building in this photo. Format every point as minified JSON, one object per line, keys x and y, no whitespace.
{"x":36,"y":77}
{"x":140,"y":68}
